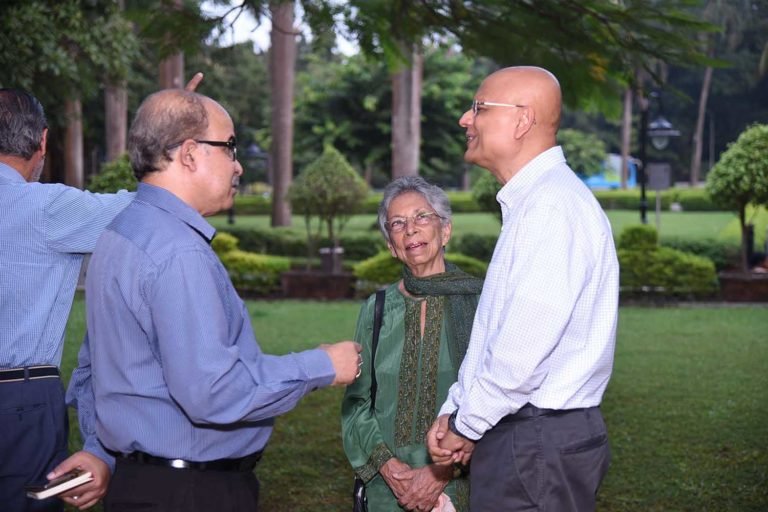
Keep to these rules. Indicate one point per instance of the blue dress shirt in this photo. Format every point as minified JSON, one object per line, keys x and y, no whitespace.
{"x":45,"y":230}
{"x":176,"y":369}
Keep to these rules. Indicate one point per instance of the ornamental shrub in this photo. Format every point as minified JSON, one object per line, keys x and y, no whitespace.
{"x":646,"y":267}
{"x":484,"y":193}
{"x":640,"y":237}
{"x":250,"y":273}
{"x":330,"y":191}
{"x":740,"y":178}
{"x":115,"y":175}
{"x":585,"y":152}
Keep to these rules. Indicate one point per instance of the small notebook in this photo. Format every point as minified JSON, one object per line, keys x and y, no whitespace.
{"x":59,"y":485}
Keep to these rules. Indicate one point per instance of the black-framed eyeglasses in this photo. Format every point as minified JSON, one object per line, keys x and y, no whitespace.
{"x":476,"y":104}
{"x":398,"y":224}
{"x":230,"y":144}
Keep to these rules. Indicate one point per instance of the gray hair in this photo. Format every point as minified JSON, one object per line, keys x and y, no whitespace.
{"x":434,"y":195}
{"x":22,"y":122}
{"x":165,"y":119}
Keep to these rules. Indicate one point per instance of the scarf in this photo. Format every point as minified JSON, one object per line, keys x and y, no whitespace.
{"x":461,"y":291}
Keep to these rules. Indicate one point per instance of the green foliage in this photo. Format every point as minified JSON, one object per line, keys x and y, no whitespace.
{"x":357,"y":246}
{"x":252,"y":205}
{"x":740,"y":177}
{"x":64,"y":49}
{"x":593,"y":50}
{"x":667,"y":272}
{"x":330,"y":190}
{"x":646,"y":267}
{"x":383,"y":269}
{"x":114,"y":176}
{"x":585,"y":152}
{"x":690,"y":199}
{"x":251,"y":273}
{"x":641,"y":237}
{"x":484,"y":193}
{"x":224,"y":243}
{"x":475,"y":245}
{"x":723,"y":253}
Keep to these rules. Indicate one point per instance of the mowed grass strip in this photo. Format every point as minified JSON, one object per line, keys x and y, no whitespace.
{"x":686,"y":410}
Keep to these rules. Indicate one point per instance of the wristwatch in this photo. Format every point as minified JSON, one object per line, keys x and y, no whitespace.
{"x":452,"y":425}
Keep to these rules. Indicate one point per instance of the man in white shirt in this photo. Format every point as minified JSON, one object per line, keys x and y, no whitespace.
{"x":526,"y":406}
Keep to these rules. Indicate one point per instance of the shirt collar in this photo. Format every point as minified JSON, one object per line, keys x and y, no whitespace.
{"x":11,"y":174}
{"x":529,"y":174}
{"x":167,"y":201}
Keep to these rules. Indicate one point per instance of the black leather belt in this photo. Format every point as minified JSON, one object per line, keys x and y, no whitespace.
{"x":246,"y":463}
{"x":29,"y":372}
{"x":531,"y":411}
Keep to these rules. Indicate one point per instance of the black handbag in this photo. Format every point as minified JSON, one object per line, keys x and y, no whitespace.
{"x":359,"y":499}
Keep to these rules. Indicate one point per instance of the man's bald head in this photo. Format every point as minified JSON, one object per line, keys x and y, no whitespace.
{"x":515,"y":117}
{"x":532,"y":86}
{"x":164,"y":119}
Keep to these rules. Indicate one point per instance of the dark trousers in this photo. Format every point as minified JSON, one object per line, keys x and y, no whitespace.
{"x":540,"y":460}
{"x":136,"y":486}
{"x":33,"y":440}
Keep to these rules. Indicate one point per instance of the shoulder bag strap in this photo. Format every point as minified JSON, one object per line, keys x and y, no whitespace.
{"x":378,"y":313}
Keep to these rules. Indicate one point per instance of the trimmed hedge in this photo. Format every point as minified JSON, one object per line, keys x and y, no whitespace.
{"x":722,"y":253}
{"x":662,"y":271}
{"x":286,"y":243}
{"x":383,"y":269}
{"x":254,"y":273}
{"x":477,"y":246}
{"x":462,"y":201}
{"x":690,"y":199}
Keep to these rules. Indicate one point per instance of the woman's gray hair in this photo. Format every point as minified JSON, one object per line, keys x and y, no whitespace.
{"x":434,"y":195}
{"x":22,"y":123}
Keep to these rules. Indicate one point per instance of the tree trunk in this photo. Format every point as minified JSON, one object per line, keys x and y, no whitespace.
{"x":282,"y":71}
{"x":406,"y":116}
{"x":698,"y":134}
{"x":73,"y":143}
{"x":626,"y":136}
{"x":172,"y":71}
{"x":116,"y":119}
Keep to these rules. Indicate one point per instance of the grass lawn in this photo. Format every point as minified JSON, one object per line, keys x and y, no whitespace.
{"x":693,"y":225}
{"x":686,"y":410}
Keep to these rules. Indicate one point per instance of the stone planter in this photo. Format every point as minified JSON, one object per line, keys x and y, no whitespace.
{"x":313,"y":284}
{"x":743,"y":286}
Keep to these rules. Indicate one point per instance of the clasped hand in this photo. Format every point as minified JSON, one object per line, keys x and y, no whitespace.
{"x":415,"y":488}
{"x":445,"y":447}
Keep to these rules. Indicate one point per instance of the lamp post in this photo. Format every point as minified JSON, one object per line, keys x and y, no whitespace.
{"x":660,"y":130}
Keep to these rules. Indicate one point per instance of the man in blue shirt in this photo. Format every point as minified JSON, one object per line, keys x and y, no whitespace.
{"x":184,"y":396}
{"x":45,"y":230}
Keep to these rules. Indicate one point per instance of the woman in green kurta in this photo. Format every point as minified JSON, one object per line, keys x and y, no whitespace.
{"x":424,"y":334}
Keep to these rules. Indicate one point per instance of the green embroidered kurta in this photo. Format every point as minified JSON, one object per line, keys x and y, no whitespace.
{"x":413,"y":380}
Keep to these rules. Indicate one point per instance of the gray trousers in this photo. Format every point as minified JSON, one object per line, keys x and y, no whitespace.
{"x":542,"y":460}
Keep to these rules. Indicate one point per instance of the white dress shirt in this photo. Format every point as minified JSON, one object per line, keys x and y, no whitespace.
{"x":545,"y":327}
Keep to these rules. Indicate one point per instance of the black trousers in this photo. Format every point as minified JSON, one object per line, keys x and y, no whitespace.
{"x":144,"y":487}
{"x":33,"y":440}
{"x":540,"y":460}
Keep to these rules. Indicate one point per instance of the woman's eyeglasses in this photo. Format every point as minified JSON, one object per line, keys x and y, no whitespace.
{"x":398,"y":224}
